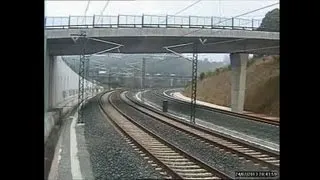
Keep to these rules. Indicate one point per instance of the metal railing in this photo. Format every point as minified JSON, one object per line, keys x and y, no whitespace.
{"x":167,"y":21}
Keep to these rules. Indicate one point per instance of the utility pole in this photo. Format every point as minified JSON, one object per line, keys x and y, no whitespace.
{"x":87,"y":79}
{"x":82,"y":39}
{"x":143,"y":75}
{"x":109,"y":79}
{"x":194,"y":83}
{"x":84,"y":61}
{"x":194,"y":61}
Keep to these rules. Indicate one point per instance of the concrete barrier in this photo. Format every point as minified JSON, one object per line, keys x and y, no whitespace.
{"x":62,"y":83}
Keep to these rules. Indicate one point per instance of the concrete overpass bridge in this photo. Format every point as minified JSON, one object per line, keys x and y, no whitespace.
{"x":139,"y":34}
{"x":150,"y":34}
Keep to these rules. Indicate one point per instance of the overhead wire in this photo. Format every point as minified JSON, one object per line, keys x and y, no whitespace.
{"x":219,"y":42}
{"x":189,"y":6}
{"x":233,"y":17}
{"x":102,"y":11}
{"x":85,"y":12}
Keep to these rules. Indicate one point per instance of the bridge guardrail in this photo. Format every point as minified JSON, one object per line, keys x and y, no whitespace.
{"x":165,"y":21}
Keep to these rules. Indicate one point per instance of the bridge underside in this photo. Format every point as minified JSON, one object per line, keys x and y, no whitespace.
{"x":152,"y":40}
{"x":66,"y":46}
{"x":238,"y":43}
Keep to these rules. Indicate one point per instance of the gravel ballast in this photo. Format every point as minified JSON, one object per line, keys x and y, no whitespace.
{"x":213,"y":156}
{"x":110,"y":155}
{"x":257,"y":129}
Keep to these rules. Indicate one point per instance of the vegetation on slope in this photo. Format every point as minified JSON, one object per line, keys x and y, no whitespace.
{"x":262,"y":86}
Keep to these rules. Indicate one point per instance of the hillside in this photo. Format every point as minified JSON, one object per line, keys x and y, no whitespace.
{"x":262,"y":87}
{"x":164,"y":64}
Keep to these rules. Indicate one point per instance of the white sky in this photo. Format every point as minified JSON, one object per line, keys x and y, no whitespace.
{"x":203,"y":8}
{"x":225,"y":8}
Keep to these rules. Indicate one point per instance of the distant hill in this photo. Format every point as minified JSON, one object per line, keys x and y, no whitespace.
{"x":160,"y":64}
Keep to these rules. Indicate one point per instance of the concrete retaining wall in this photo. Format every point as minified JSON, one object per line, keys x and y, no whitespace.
{"x":63,"y":92}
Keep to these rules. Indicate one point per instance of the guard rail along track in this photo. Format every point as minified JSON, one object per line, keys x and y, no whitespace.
{"x":176,"y":163}
{"x":242,"y":149}
{"x":253,"y":118}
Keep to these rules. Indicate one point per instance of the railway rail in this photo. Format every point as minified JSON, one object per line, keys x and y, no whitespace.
{"x":231,"y":145}
{"x":249,"y":117}
{"x":173,"y":161}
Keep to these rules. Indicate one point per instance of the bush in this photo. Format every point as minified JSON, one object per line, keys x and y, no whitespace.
{"x":229,"y":67}
{"x":226,"y":68}
{"x":250,"y":62}
{"x":217,"y":71}
{"x":277,"y":58}
{"x":208,"y":74}
{"x":202,"y":76}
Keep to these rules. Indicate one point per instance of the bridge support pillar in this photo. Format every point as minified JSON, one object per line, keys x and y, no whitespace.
{"x":52,"y":84}
{"x":238,"y":80}
{"x":48,"y":65}
{"x":46,"y":75}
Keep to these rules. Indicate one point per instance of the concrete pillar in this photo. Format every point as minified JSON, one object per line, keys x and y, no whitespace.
{"x":238,"y":80}
{"x":46,"y":75}
{"x":51,"y":86}
{"x":45,"y":70}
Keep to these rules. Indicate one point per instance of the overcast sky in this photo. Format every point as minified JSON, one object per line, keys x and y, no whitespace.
{"x":225,"y":8}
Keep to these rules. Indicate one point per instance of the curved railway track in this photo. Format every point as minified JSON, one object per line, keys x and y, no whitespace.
{"x":241,"y":149}
{"x":174,"y":162}
{"x":253,"y":118}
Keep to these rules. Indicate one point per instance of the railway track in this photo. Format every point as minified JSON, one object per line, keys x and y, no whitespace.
{"x":243,"y":150}
{"x":253,"y":118}
{"x":174,"y":162}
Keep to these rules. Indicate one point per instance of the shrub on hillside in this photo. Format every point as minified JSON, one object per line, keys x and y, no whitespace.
{"x":202,"y":76}
{"x":217,"y":71}
{"x":229,"y":67}
{"x":250,"y":62}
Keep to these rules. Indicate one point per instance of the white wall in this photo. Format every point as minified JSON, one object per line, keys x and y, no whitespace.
{"x":64,"y":82}
{"x":63,"y":87}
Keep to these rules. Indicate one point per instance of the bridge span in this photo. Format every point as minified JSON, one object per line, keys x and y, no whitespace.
{"x":139,"y":36}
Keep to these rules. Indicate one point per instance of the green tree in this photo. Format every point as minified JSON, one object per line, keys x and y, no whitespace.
{"x":271,"y":21}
